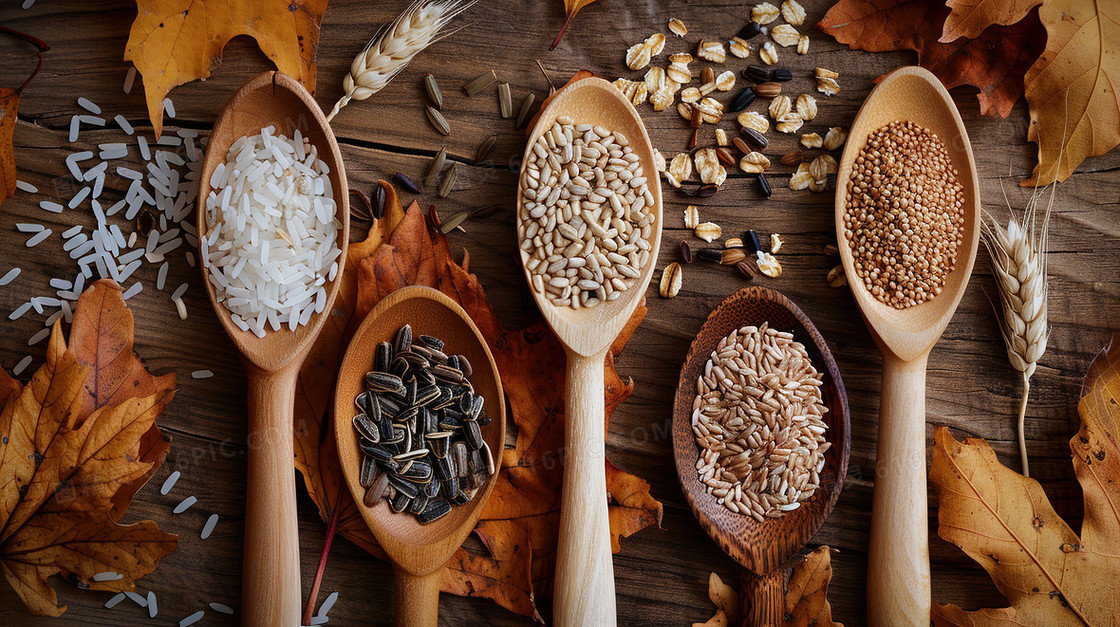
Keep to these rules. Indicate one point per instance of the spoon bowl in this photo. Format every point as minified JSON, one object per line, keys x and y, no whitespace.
{"x":271,"y":582}
{"x":584,"y":587}
{"x":898,"y":588}
{"x":762,"y":548}
{"x":418,"y":552}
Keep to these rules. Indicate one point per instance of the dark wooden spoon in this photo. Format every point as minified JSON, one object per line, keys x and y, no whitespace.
{"x":761,"y":548}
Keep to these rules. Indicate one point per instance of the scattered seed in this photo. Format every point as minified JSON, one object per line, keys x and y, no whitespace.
{"x":739,"y":47}
{"x":836,"y":277}
{"x":708,"y":231}
{"x":792,"y":158}
{"x":742,"y":100}
{"x":691,"y":217}
{"x":725,"y":157}
{"x":114,"y":600}
{"x":811,"y":140}
{"x":768,"y":264}
{"x":184,"y":505}
{"x":221,"y":608}
{"x":775,"y":242}
{"x":505,"y":101}
{"x":803,"y":44}
{"x":484,"y":150}
{"x":449,"y":180}
{"x":721,"y":137}
{"x":438,"y":121}
{"x":377,"y":203}
{"x":746,"y":269}
{"x":758,"y":73}
{"x":208,"y":528}
{"x":707,"y":191}
{"x":748,"y":31}
{"x":834,"y":138}
{"x":406,"y":182}
{"x":431,"y":88}
{"x":193,"y":618}
{"x":768,"y":53}
{"x":526,"y":107}
{"x":677,"y":27}
{"x":769,"y":89}
{"x":670,"y":280}
{"x":480,"y":82}
{"x":707,"y":75}
{"x":435,"y":166}
{"x":764,"y":185}
{"x":806,"y":107}
{"x":782,"y":75}
{"x":764,"y":13}
{"x":754,"y":137}
{"x":754,"y":163}
{"x":831,"y":250}
{"x":169,"y":483}
{"x":686,"y":252}
{"x":454,"y":222}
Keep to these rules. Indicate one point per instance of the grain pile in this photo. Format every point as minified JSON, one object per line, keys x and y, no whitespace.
{"x":904,"y":215}
{"x":586,"y":215}
{"x":758,"y":419}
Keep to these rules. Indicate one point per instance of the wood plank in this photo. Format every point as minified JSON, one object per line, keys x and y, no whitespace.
{"x":661,"y":574}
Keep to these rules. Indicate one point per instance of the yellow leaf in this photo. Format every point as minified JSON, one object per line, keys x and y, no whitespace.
{"x":1072,"y":87}
{"x":969,"y":18}
{"x":1004,"y":521}
{"x":571,"y":7}
{"x":807,"y":593}
{"x":176,"y":41}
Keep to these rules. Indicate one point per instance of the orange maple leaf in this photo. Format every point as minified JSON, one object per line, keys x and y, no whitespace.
{"x":9,"y":106}
{"x":176,"y":41}
{"x":994,"y":62}
{"x":71,"y":457}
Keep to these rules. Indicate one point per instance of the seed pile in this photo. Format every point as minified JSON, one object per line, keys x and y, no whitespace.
{"x":586,"y":216}
{"x":272,"y":245}
{"x":420,"y":429}
{"x":904,"y":216}
{"x":757,"y":418}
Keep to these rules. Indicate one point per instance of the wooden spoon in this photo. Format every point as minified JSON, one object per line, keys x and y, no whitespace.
{"x":898,"y":590}
{"x":271,"y":583}
{"x":584,"y":588}
{"x":418,"y":552}
{"x":761,"y":548}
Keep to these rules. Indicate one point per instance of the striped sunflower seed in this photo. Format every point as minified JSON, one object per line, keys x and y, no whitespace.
{"x":438,"y":121}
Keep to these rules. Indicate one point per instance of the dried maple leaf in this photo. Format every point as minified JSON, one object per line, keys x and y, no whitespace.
{"x":69,"y":467}
{"x":9,"y":106}
{"x":1004,"y":521}
{"x":969,"y":18}
{"x":176,"y":41}
{"x":1072,"y":88}
{"x":518,"y":528}
{"x":571,"y":7}
{"x":994,"y":62}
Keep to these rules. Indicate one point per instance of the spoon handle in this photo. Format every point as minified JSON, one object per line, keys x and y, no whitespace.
{"x":898,"y":591}
{"x":417,"y":598}
{"x":584,"y":588}
{"x":271,"y":585}
{"x":762,"y":598}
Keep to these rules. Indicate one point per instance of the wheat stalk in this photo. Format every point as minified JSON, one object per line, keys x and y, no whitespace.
{"x":1018,"y":254}
{"x":394,"y":45}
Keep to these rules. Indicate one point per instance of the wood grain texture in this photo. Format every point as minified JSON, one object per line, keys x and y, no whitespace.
{"x":661,"y":575}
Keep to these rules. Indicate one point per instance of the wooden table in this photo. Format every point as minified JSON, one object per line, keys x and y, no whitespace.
{"x":661,"y":574}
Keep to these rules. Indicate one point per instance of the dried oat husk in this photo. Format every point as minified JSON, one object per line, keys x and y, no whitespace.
{"x":1018,"y":255}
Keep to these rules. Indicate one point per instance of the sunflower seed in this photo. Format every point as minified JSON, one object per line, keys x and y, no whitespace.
{"x":754,"y":137}
{"x":505,"y":101}
{"x":484,"y":150}
{"x":751,"y":29}
{"x":480,"y":82}
{"x":449,"y":179}
{"x":686,"y":252}
{"x":406,"y":182}
{"x":435,"y":166}
{"x":526,"y":107}
{"x":377,"y":202}
{"x":431,"y":88}
{"x":758,"y":73}
{"x":438,"y":121}
{"x":764,"y":185}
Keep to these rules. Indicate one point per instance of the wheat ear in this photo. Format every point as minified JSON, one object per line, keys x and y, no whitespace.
{"x":1018,"y":254}
{"x":394,"y":45}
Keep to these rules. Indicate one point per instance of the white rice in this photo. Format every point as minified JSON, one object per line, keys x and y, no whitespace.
{"x":169,"y":483}
{"x":143,"y":144}
{"x":133,"y":289}
{"x":136,"y":598}
{"x":123,"y":122}
{"x":161,"y":276}
{"x":22,"y":365}
{"x":72,"y":163}
{"x":9,"y":276}
{"x":75,"y":126}
{"x":28,"y":227}
{"x":153,"y":608}
{"x":37,"y":238}
{"x":88,"y":105}
{"x":169,"y":108}
{"x":93,"y":120}
{"x":319,"y":620}
{"x":27,"y":4}
{"x":113,"y":600}
{"x":27,"y":187}
{"x":328,"y":603}
{"x":179,"y":291}
{"x":208,"y":528}
{"x":184,"y":505}
{"x":18,"y":312}
{"x":193,"y":618}
{"x":108,"y":576}
{"x":39,"y":337}
{"x":272,"y":240}
{"x":180,"y":308}
{"x":78,"y":198}
{"x":52,"y":207}
{"x":202,"y":374}
{"x":221,"y":608}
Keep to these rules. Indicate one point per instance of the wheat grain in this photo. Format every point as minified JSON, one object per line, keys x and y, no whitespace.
{"x":394,"y":45}
{"x":1018,"y":254}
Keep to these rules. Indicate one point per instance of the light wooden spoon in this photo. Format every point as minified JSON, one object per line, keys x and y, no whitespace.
{"x":418,"y":552}
{"x":761,"y":548}
{"x":271,"y":583}
{"x":584,"y":588}
{"x":898,"y":590}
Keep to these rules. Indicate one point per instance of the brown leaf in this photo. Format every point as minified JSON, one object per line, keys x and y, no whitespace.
{"x":9,"y":105}
{"x":1004,"y":521}
{"x":177,"y":41}
{"x":519,"y":526}
{"x":571,"y":7}
{"x":65,"y":465}
{"x":994,"y":62}
{"x":969,"y":18}
{"x":1072,"y":88}
{"x":719,"y":620}
{"x":724,"y":597}
{"x":807,"y":593}
{"x":102,"y":342}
